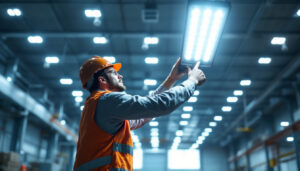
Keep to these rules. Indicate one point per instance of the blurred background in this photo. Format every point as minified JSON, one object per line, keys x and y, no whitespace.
{"x":246,"y":117}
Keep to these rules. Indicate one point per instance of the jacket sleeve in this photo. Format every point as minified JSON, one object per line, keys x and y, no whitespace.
{"x":138,"y":123}
{"x":120,"y":105}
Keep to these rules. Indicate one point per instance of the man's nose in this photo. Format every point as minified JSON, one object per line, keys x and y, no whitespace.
{"x":120,"y":76}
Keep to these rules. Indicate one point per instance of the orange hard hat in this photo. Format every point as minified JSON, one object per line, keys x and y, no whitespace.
{"x":91,"y":66}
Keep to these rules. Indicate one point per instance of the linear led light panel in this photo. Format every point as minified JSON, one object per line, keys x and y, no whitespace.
{"x":196,"y":92}
{"x":204,"y":26}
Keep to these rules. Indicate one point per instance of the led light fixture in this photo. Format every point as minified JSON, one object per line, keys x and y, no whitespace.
{"x":52,"y":59}
{"x":81,"y":107}
{"x":179,"y":133}
{"x":77,"y":93}
{"x":226,"y":108}
{"x":35,"y":39}
{"x":238,"y":92}
{"x":218,"y":118}
{"x":150,"y":82}
{"x":151,"y":40}
{"x":78,"y":99}
{"x":207,"y":130}
{"x":284,"y":123}
{"x":264,"y":60}
{"x":278,"y":40}
{"x":183,"y":123}
{"x":196,"y":92}
{"x":185,"y":115}
{"x":63,"y":122}
{"x":100,"y":40}
{"x":290,"y":139}
{"x":245,"y":82}
{"x":192,"y":99}
{"x":232,"y":99}
{"x":66,"y":81}
{"x":111,"y":59}
{"x":151,"y":60}
{"x":187,"y":108}
{"x":92,"y":13}
{"x":212,"y":124}
{"x":298,"y":13}
{"x":153,"y":123}
{"x":14,"y":12}
{"x":204,"y":26}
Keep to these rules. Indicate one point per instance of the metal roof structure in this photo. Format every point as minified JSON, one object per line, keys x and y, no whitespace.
{"x":68,"y":34}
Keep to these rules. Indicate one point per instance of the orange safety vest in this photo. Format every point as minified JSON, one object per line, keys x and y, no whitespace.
{"x":98,"y":150}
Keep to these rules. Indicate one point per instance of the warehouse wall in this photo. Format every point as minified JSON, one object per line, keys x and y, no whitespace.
{"x":214,"y":158}
{"x":266,"y":127}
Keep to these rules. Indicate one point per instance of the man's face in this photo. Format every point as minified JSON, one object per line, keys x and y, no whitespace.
{"x":114,"y":80}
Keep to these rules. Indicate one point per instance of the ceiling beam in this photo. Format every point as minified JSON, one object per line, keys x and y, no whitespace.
{"x":128,"y":34}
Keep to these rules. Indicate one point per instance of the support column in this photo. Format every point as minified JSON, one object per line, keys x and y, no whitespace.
{"x":295,"y":143}
{"x":52,"y":146}
{"x":19,"y":134}
{"x":268,"y":158}
{"x":72,"y":151}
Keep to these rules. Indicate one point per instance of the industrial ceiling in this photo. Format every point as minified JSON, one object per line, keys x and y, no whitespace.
{"x":68,"y":34}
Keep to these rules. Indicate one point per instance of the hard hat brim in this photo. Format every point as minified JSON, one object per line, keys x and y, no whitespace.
{"x":117,"y":66}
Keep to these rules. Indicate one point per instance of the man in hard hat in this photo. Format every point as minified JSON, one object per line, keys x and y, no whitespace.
{"x":109,"y":113}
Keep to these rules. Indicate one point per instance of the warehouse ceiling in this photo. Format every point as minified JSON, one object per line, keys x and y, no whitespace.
{"x":68,"y":34}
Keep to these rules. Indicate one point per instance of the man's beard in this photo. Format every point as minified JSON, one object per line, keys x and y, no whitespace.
{"x":116,"y":87}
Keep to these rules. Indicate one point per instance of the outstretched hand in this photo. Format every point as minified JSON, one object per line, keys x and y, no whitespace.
{"x":197,"y":74}
{"x":175,"y":74}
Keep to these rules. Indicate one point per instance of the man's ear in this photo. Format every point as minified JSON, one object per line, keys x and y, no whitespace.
{"x":102,"y":80}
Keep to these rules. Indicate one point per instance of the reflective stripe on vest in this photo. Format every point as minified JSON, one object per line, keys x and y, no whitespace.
{"x":101,"y":161}
{"x":123,"y":148}
{"x":98,"y":162}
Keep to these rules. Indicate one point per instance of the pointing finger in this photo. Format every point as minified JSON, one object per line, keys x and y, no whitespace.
{"x":197,"y":65}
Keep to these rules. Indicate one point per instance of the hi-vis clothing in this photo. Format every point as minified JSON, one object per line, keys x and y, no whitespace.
{"x":105,"y":142}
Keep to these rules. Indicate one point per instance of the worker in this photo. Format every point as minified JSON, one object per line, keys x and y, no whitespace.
{"x":109,"y":113}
